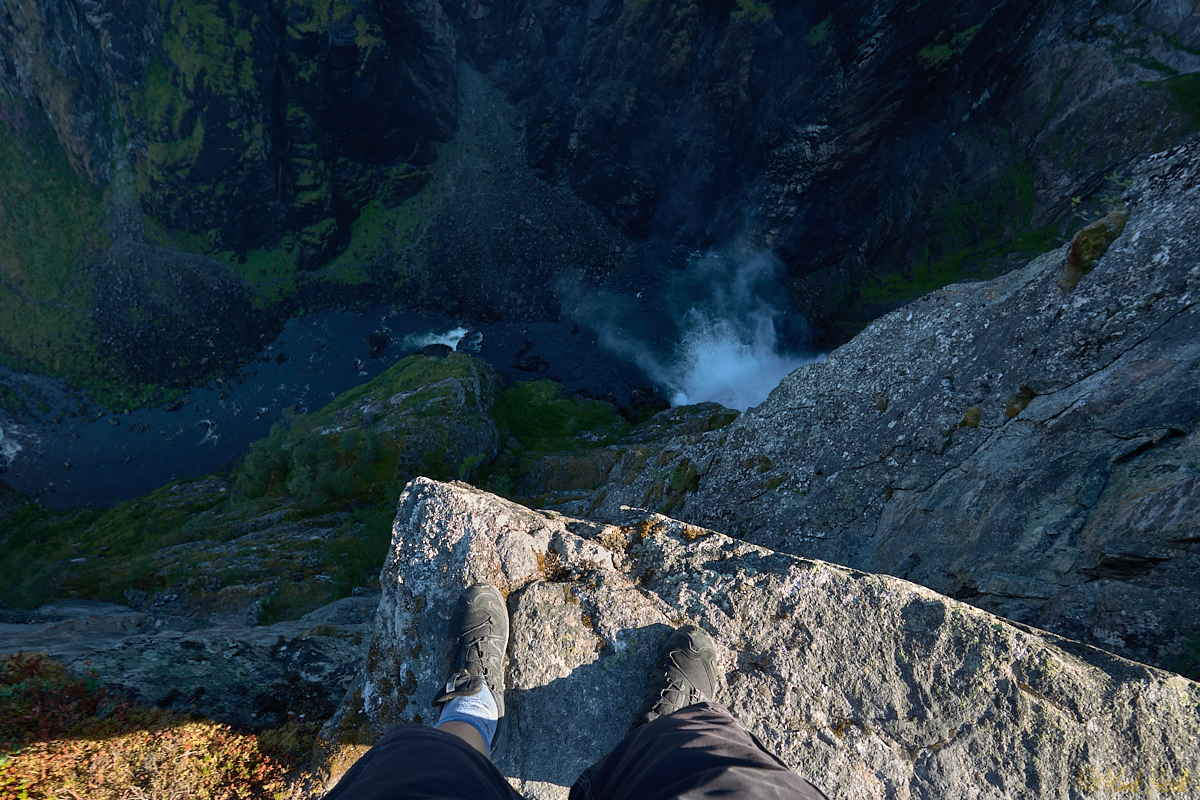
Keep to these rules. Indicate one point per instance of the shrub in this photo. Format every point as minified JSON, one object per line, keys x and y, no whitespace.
{"x":63,"y":736}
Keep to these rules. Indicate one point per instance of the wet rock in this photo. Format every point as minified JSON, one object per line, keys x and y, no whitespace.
{"x":529,"y":361}
{"x":869,"y":685}
{"x":643,"y":404}
{"x":377,"y":342}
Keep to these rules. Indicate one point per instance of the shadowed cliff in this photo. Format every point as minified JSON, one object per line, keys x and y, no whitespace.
{"x":322,"y":154}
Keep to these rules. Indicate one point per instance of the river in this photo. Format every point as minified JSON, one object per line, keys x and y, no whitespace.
{"x":70,"y":454}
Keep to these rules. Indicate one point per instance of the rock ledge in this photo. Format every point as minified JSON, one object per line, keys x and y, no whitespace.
{"x":870,"y":686}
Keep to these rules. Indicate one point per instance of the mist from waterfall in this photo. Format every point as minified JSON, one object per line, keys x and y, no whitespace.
{"x":717,"y":333}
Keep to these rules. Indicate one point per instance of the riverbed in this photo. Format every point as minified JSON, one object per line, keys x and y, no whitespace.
{"x":70,"y":454}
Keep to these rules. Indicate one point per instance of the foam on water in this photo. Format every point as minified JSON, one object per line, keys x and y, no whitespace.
{"x":730,"y":362}
{"x":451,"y":338}
{"x":8,"y":447}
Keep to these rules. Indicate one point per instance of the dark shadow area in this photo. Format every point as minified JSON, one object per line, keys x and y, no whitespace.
{"x":559,"y":729}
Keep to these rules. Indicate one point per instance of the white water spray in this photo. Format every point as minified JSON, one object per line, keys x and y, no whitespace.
{"x":725,"y":342}
{"x":455,"y":339}
{"x":8,"y":447}
{"x":734,"y":363}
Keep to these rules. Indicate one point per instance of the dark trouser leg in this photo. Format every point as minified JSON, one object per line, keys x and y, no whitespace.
{"x":698,"y":751}
{"x":413,"y":762}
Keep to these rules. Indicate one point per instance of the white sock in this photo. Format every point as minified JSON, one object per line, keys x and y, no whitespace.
{"x":478,"y":710}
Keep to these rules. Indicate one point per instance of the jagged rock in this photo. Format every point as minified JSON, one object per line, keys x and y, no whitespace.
{"x":869,"y":685}
{"x":249,"y":676}
{"x":1030,"y":450}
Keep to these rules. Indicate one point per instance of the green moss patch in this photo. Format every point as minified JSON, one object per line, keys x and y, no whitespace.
{"x":49,"y":224}
{"x":819,"y":32}
{"x":539,"y":417}
{"x":554,"y":442}
{"x":99,"y":554}
{"x":1185,"y":94}
{"x":969,"y":237}
{"x":752,"y":11}
{"x":1089,"y":244}
{"x":937,"y":55}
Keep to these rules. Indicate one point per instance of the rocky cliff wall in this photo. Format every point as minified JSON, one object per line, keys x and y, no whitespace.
{"x":870,"y":686}
{"x":880,"y":148}
{"x":853,"y":139}
{"x":1030,"y":448}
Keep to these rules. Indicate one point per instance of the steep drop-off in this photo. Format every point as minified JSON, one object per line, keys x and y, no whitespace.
{"x":326,"y":153}
{"x":1029,"y":444}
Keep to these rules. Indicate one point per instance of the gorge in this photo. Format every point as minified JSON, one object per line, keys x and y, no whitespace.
{"x":956,"y":246}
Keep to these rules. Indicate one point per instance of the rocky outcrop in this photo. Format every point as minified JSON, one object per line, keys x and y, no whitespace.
{"x":254,"y":677}
{"x":1031,"y":449}
{"x":871,"y":686}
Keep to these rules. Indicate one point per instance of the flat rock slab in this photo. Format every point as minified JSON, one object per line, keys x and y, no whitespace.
{"x":870,"y":686}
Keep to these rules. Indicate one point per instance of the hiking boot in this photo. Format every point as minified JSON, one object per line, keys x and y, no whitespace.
{"x":686,"y":673}
{"x":475,"y":646}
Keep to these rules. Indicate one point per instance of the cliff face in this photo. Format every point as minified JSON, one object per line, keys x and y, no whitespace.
{"x":869,"y":686}
{"x":243,"y":122}
{"x":1031,"y":448}
{"x":880,"y":148}
{"x":852,"y":139}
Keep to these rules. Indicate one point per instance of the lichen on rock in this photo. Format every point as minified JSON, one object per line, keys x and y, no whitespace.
{"x":868,"y":685}
{"x":1089,"y":244}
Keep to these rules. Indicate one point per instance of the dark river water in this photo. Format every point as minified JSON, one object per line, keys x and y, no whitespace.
{"x":93,"y":458}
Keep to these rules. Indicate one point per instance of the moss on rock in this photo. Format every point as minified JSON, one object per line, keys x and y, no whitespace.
{"x":1089,"y":244}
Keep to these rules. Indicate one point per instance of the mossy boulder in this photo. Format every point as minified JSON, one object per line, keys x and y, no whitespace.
{"x":1089,"y":244}
{"x":423,"y":416}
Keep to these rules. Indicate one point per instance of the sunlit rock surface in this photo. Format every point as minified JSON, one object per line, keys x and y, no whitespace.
{"x":1030,"y":449}
{"x":870,"y":686}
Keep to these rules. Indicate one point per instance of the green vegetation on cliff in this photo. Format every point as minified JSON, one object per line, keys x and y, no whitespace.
{"x":49,"y":227}
{"x":1185,"y":92}
{"x":306,"y":516}
{"x":970,"y":239}
{"x":544,"y":431}
{"x":323,"y":485}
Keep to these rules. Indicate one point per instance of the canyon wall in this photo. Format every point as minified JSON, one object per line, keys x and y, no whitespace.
{"x":328,"y":153}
